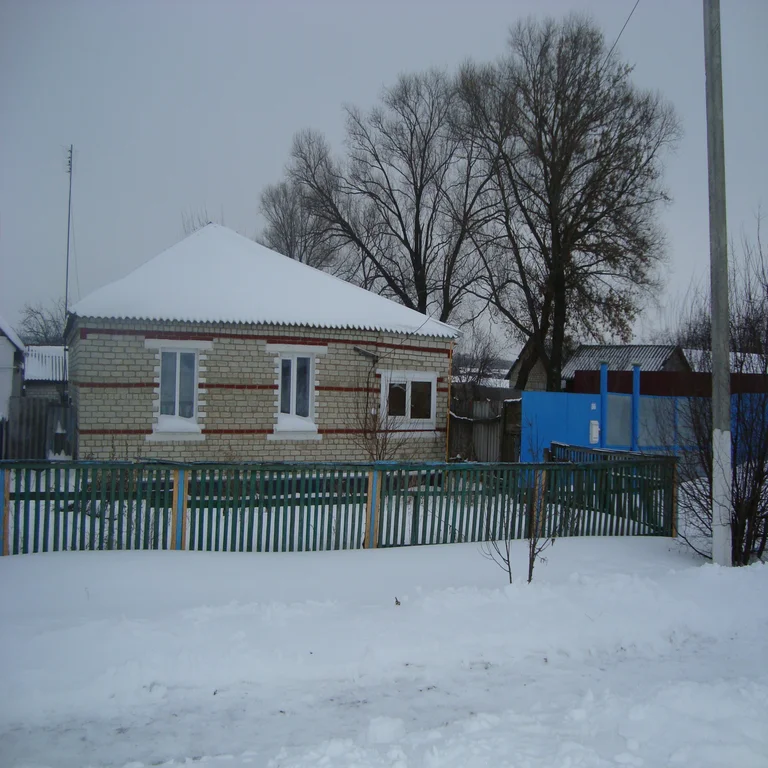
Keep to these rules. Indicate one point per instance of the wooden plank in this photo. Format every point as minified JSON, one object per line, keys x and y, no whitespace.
{"x":6,"y":511}
{"x":367,"y":541}
{"x":673,"y":512}
{"x":175,"y":509}
{"x":376,"y":511}
{"x":183,"y":510}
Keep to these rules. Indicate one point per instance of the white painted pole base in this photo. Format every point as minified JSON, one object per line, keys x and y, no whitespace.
{"x":721,"y":497}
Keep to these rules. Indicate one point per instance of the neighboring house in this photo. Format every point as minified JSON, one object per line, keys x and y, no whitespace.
{"x":220,"y":349}
{"x":622,"y":357}
{"x":537,"y":378}
{"x":491,"y":374}
{"x":44,"y":372}
{"x":11,"y":363}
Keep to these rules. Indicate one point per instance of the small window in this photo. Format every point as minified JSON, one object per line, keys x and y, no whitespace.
{"x":296,"y":386}
{"x":177,"y":384}
{"x":409,"y":399}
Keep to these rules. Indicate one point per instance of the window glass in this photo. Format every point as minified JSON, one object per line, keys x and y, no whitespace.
{"x":285,"y":386}
{"x":302,"y":386}
{"x":168,"y":384}
{"x":187,"y":385}
{"x":396,"y":400}
{"x":421,"y":399}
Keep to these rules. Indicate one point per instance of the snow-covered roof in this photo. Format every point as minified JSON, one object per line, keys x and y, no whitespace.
{"x":44,"y":363}
{"x":216,"y":275}
{"x":741,"y":362}
{"x":13,"y":337}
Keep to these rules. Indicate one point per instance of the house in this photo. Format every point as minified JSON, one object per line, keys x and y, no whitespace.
{"x":220,"y":349}
{"x":44,"y":372}
{"x":11,"y":363}
{"x":537,"y":377}
{"x":588,"y":357}
{"x":652,"y":358}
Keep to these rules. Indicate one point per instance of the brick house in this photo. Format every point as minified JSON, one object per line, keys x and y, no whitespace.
{"x":11,"y":364}
{"x":220,"y":349}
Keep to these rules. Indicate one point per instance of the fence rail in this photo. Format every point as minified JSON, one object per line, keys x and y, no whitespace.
{"x":50,"y":507}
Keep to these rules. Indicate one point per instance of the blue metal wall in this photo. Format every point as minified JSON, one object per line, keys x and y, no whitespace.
{"x":555,"y":416}
{"x":656,"y":424}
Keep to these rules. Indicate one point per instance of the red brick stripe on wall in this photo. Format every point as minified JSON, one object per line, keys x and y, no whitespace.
{"x":372,"y":390}
{"x":189,"y":335}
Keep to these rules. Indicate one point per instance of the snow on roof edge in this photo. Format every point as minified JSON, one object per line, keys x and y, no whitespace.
{"x":450,"y":331}
{"x":12,"y":336}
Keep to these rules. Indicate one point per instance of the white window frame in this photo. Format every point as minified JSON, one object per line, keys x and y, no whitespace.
{"x":165,"y":427}
{"x":406,"y":423}
{"x":289,"y":426}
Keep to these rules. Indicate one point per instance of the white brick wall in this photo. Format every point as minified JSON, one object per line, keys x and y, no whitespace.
{"x":113,"y":420}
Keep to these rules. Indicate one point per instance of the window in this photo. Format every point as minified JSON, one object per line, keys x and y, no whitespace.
{"x":177,"y":384}
{"x":409,"y":399}
{"x":179,"y":408}
{"x":296,"y":372}
{"x":296,"y":386}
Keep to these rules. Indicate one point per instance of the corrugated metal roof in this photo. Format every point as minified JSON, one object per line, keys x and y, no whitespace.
{"x":43,"y":363}
{"x":620,"y":357}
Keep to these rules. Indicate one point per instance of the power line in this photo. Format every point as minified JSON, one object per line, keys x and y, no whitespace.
{"x":615,"y":42}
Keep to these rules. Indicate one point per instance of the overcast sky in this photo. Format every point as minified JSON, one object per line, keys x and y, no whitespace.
{"x":175,"y":107}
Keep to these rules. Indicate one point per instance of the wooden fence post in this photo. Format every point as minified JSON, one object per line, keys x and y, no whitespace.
{"x":374,"y":492}
{"x":5,"y":497}
{"x":674,"y":500}
{"x":175,"y":531}
{"x":180,"y":507}
{"x":368,"y":510}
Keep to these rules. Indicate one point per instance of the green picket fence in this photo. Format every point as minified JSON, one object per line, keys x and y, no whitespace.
{"x":56,"y":506}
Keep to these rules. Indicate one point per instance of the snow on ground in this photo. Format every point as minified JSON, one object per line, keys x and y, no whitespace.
{"x":623,"y":652}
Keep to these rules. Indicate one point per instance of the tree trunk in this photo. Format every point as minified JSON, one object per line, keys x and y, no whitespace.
{"x":554,"y":370}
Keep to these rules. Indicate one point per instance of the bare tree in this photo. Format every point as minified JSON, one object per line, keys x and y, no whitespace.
{"x":543,"y":524}
{"x":404,"y":201}
{"x":542,"y":531}
{"x":194,"y":220}
{"x":43,"y":324}
{"x":499,"y":536}
{"x":291,"y":228}
{"x":748,"y":285}
{"x":478,"y":358}
{"x":575,"y":152}
{"x":371,"y":429}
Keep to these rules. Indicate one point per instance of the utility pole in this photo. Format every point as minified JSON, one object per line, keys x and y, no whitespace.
{"x":69,"y":225}
{"x":718,"y":267}
{"x":65,"y":383}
